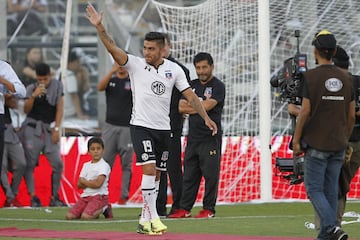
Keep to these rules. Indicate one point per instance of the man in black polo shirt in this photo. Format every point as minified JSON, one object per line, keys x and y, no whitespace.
{"x":203,"y":150}
{"x":116,"y":130}
{"x":323,"y":128}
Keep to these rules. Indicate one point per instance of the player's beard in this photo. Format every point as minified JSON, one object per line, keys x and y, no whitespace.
{"x":204,"y":78}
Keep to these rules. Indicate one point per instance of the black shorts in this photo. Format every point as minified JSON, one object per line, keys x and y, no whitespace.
{"x":150,"y":146}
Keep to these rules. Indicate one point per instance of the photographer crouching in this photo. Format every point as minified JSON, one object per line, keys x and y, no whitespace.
{"x":322,"y":131}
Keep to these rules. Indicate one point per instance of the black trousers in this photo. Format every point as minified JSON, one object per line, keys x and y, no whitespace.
{"x":175,"y":173}
{"x":202,"y":159}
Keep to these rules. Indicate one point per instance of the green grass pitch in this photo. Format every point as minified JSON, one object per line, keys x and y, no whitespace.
{"x":260,"y":219}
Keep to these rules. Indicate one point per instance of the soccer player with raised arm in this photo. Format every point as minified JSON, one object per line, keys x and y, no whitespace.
{"x":152,"y":80}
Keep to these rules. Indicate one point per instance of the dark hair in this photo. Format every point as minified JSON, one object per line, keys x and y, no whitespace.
{"x":28,"y":50}
{"x":157,"y":37}
{"x":203,"y":56}
{"x":73,"y":56}
{"x":326,"y":53}
{"x":341,"y":58}
{"x":95,"y":140}
{"x":167,"y":37}
{"x":42,"y":69}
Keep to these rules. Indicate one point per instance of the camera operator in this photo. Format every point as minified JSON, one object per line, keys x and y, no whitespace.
{"x":327,"y":98}
{"x":352,"y":159}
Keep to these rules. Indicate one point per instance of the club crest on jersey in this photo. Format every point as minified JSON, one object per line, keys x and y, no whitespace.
{"x":168,"y":75}
{"x":158,"y":88}
{"x":165,"y":156}
{"x":127,"y":85}
{"x":208,"y":92}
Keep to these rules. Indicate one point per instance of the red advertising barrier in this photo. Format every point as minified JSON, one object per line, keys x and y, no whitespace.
{"x":239,"y":176}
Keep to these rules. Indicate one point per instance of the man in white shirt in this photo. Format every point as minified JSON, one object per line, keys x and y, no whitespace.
{"x":152,"y":80}
{"x":9,"y":84}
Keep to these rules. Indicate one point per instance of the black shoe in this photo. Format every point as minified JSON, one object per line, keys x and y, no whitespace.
{"x":35,"y":202}
{"x":108,"y":212}
{"x":338,"y":234}
{"x":56,"y":202}
{"x":162,"y":214}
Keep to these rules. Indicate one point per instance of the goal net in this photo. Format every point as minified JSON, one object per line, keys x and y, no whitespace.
{"x":228,"y":30}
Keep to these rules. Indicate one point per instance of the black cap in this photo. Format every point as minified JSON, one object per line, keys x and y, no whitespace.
{"x":324,"y":40}
{"x":341,"y":58}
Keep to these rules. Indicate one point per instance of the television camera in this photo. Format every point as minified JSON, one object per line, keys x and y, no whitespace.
{"x":292,"y":169}
{"x":290,"y":77}
{"x":289,"y":80}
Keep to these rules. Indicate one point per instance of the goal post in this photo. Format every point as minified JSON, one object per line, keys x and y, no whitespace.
{"x":249,"y":41}
{"x":228,"y":30}
{"x":264,"y":100}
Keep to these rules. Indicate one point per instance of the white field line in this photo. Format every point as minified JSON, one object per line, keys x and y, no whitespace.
{"x":136,"y":220}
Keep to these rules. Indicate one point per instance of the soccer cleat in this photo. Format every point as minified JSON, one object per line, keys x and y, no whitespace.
{"x":180,"y":213}
{"x":56,"y":202}
{"x":205,"y":214}
{"x":145,"y":228}
{"x":108,"y":212}
{"x":35,"y":202}
{"x":157,"y":226}
{"x":338,"y":234}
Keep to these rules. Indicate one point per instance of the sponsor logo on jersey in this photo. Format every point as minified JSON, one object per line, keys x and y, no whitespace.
{"x":158,"y":88}
{"x":333,"y":85}
{"x":147,"y":68}
{"x":208,"y":92}
{"x":144,"y":156}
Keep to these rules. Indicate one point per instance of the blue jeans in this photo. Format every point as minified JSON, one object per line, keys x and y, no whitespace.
{"x":321,"y":178}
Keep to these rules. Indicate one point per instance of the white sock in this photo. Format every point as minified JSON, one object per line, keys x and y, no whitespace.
{"x":104,"y":208}
{"x":149,"y":197}
{"x":157,"y":185}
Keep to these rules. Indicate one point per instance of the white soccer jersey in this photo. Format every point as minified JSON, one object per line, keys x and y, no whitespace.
{"x":152,"y":90}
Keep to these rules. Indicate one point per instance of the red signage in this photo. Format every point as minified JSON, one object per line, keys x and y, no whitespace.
{"x":239,"y":176}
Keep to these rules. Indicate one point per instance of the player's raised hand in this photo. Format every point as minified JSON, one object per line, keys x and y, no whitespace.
{"x":93,"y":16}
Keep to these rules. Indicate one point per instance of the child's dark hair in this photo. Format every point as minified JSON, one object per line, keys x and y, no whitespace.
{"x":95,"y":140}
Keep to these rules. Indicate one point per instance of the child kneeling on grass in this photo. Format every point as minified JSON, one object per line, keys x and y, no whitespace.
{"x":94,"y":178}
